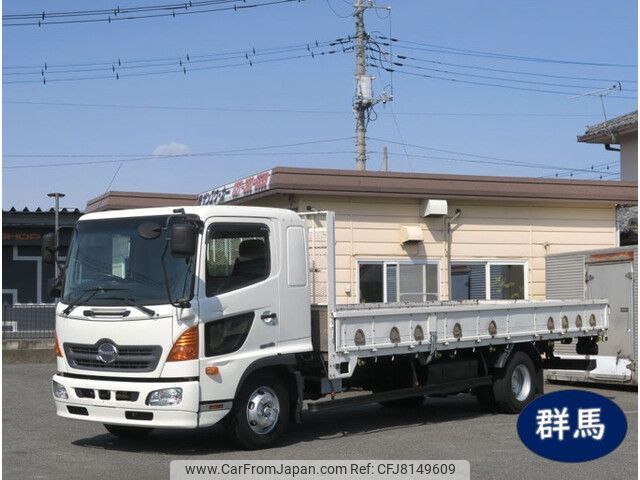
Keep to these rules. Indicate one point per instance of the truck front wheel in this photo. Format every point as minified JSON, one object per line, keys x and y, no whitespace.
{"x":260,"y":412}
{"x":519,"y":384}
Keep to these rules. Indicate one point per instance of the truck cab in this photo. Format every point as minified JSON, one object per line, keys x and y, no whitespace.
{"x":164,"y":313}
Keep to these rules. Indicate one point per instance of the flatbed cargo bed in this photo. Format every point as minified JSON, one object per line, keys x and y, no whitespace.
{"x":359,"y":331}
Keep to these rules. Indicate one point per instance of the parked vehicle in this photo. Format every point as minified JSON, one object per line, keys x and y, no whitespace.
{"x":606,"y":273}
{"x":186,"y":317}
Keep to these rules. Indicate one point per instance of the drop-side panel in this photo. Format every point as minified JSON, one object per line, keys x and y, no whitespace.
{"x":380,"y":330}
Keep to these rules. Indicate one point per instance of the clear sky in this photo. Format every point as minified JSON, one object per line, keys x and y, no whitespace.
{"x":223,"y":109}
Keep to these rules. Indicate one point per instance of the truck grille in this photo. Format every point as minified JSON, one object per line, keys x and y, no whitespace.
{"x":129,"y":358}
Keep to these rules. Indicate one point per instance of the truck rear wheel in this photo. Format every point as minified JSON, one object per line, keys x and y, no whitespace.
{"x":126,"y":432}
{"x":260,"y":412}
{"x":519,"y":384}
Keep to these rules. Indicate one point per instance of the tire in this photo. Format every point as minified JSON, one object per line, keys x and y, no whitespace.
{"x":254,"y":428}
{"x":486,"y":399}
{"x":128,"y":433}
{"x":409,"y":402}
{"x":519,"y":384}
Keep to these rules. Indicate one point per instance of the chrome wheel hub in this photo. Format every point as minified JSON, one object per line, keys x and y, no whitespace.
{"x":263,"y":410}
{"x":521,"y":383}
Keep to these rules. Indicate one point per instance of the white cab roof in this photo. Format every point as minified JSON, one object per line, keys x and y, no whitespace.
{"x":203,"y":212}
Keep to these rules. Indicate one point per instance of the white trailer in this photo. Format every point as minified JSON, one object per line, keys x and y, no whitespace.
{"x":186,"y":317}
{"x":604,"y":273}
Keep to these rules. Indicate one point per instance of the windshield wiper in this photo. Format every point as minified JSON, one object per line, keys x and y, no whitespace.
{"x":82,"y":299}
{"x":133,"y":303}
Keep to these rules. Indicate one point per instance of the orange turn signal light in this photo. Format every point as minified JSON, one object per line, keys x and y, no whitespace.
{"x":212,"y":370}
{"x":56,"y":347}
{"x":185,"y":347}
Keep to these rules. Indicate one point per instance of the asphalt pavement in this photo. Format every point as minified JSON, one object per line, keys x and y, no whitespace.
{"x":36,"y":444}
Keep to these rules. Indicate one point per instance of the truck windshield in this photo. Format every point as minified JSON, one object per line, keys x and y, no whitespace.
{"x":121,"y":259}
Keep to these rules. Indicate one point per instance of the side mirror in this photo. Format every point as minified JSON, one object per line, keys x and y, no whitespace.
{"x":49,"y":248}
{"x":54,"y":287}
{"x":184,"y":239}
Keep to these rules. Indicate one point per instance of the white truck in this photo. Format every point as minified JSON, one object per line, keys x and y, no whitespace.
{"x":186,"y":317}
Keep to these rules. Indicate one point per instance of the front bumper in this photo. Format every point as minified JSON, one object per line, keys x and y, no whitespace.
{"x":113,"y":410}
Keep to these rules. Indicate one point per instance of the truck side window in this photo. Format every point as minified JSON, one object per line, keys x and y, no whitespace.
{"x":237,"y":256}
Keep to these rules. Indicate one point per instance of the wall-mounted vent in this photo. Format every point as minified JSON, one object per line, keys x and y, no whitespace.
{"x":433,"y":208}
{"x":410,"y":234}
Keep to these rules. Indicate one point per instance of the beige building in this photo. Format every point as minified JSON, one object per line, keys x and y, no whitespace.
{"x":622,"y":131}
{"x":416,"y":237}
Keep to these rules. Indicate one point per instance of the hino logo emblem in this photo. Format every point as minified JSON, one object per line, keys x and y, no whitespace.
{"x":107,"y":352}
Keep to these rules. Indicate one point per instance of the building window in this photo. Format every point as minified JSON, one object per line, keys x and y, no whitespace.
{"x":371,"y":282}
{"x":488,"y":280}
{"x":388,"y":282}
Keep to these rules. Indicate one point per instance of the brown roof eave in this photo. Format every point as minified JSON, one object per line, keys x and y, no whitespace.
{"x":445,"y":196}
{"x":291,"y":181}
{"x":116,"y":200}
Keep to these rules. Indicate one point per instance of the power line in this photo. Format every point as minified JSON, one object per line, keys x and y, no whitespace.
{"x":119,"y":63}
{"x":116,"y":14}
{"x":595,"y":168}
{"x":597,"y":175}
{"x":163,"y":157}
{"x":486,"y":159}
{"x":497,"y":85}
{"x":410,"y":45}
{"x":187,"y":108}
{"x":115,"y":158}
{"x":404,"y":147}
{"x":115,"y":11}
{"x":481,"y":162}
{"x":393,"y":67}
{"x":339,"y":15}
{"x":277,"y":110}
{"x":488,"y":77}
{"x":513,"y":72}
{"x":183,"y":69}
{"x":128,"y":155}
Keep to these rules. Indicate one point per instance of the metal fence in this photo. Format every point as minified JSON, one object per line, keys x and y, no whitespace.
{"x":28,"y":321}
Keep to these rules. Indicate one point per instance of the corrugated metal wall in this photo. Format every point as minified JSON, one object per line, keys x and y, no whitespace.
{"x":565,"y":279}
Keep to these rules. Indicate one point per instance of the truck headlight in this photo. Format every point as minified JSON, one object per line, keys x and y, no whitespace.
{"x":59,"y":391}
{"x":165,"y":397}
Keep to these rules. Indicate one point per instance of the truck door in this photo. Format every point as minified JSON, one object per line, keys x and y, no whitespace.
{"x":614,"y":281}
{"x":238,"y":301}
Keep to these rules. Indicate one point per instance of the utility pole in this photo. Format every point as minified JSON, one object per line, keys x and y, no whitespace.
{"x":56,"y":196}
{"x":385,"y":159}
{"x":360,"y":105}
{"x":364,"y":98}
